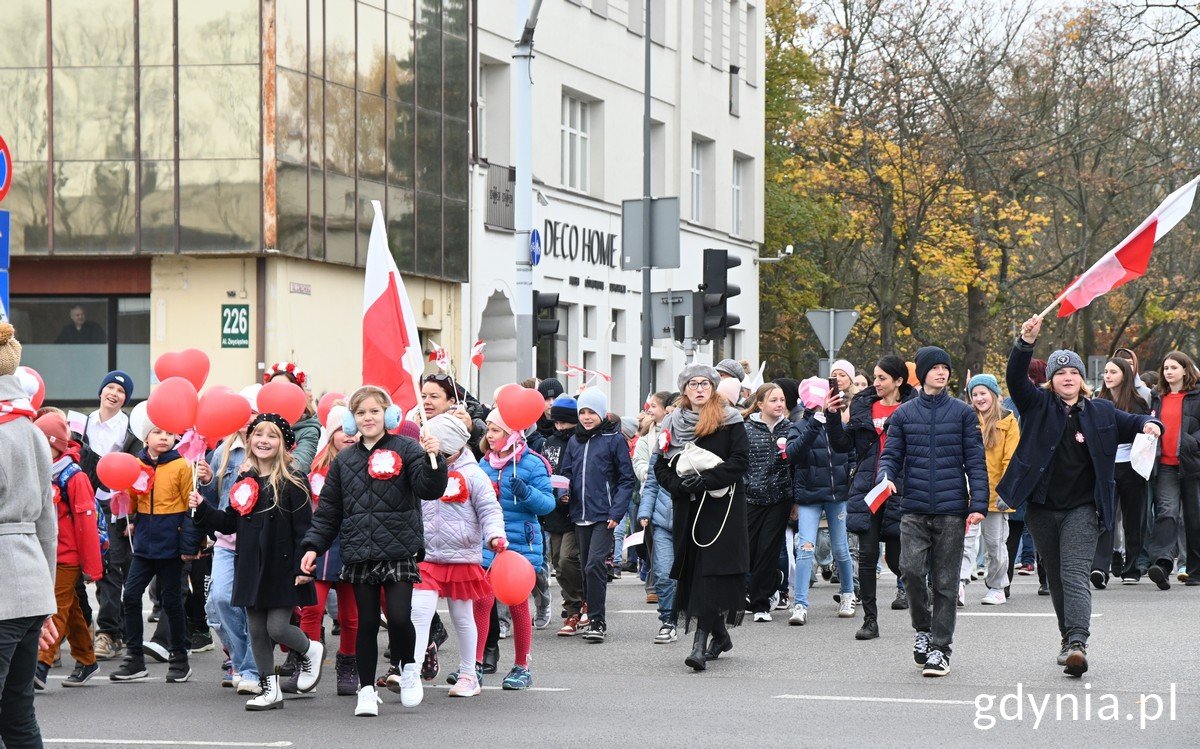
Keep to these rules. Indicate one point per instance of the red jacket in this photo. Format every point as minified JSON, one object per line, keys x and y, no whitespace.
{"x":78,"y":537}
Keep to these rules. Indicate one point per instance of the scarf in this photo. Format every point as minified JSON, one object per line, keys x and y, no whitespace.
{"x":679,"y":428}
{"x":57,"y":466}
{"x":15,"y":409}
{"x":515,"y":440}
{"x":583,"y":435}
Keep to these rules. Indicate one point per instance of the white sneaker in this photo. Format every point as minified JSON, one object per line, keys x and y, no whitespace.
{"x":368,"y":702}
{"x":466,"y":686}
{"x":962,"y":593}
{"x":799,"y":616}
{"x":411,"y":691}
{"x":762,"y":616}
{"x":248,"y":686}
{"x":270,"y":699}
{"x":846,"y":607}
{"x":994,"y":597}
{"x":309,"y":666}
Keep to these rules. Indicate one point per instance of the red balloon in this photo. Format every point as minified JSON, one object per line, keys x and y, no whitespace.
{"x":190,"y":364}
{"x":220,"y":413}
{"x":512,"y":577}
{"x":520,"y":407}
{"x":118,"y":471}
{"x":33,"y":385}
{"x":172,"y":405}
{"x":282,"y":396}
{"x":326,"y":403}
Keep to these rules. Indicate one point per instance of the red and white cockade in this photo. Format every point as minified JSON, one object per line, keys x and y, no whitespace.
{"x":384,"y":464}
{"x":244,"y":495}
{"x":457,"y":489}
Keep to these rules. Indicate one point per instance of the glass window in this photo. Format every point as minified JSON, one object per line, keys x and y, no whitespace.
{"x":316,"y":214}
{"x":27,"y":203}
{"x":456,"y":85}
{"x":220,"y":205}
{"x":697,"y":181}
{"x":735,"y":220}
{"x":429,"y":67}
{"x":371,"y":130}
{"x":402,"y":8}
{"x":400,"y":228}
{"x":429,"y":13}
{"x":371,"y":58}
{"x":400,"y":145}
{"x":133,"y":338}
{"x":24,"y":119}
{"x":218,"y":111}
{"x":66,"y":340}
{"x":291,"y":119}
{"x":218,"y":31}
{"x":93,"y":113}
{"x":316,"y":37}
{"x":316,"y":121}
{"x":575,"y":141}
{"x":158,"y":206}
{"x":340,"y":218}
{"x":454,"y":17}
{"x":93,"y":206}
{"x":291,"y":34}
{"x":339,"y":41}
{"x":455,"y":158}
{"x":368,"y":191}
{"x":25,"y":35}
{"x":158,"y":112}
{"x":429,"y":234}
{"x":457,"y":240}
{"x":339,"y":129}
{"x":429,"y":152}
{"x":400,"y":59}
{"x":156,"y":31}
{"x":291,"y":200}
{"x":91,"y":32}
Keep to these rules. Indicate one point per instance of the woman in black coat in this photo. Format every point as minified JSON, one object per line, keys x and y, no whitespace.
{"x":712,"y":553}
{"x":270,"y":511}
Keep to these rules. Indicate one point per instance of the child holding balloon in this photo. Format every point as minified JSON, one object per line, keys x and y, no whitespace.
{"x":521,"y":479}
{"x":270,"y":511}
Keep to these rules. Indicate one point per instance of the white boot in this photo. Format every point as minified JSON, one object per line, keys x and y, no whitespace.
{"x":411,"y":691}
{"x":309,"y":667}
{"x":271,"y":696}
{"x":368,"y":702}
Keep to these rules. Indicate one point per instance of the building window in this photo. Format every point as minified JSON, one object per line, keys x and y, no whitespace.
{"x":737,"y":196}
{"x":717,"y":11}
{"x":750,"y":69}
{"x":576,"y":125}
{"x":697,"y":172}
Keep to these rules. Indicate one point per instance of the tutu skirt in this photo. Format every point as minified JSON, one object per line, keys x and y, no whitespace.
{"x":461,"y":582}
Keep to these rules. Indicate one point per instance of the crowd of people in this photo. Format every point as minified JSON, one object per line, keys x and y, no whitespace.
{"x":738,"y":496}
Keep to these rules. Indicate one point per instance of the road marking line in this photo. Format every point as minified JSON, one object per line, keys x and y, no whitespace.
{"x":530,"y":689}
{"x":636,"y":611}
{"x":1008,"y":613}
{"x":840,"y":698}
{"x":94,"y":681}
{"x":165,"y":742}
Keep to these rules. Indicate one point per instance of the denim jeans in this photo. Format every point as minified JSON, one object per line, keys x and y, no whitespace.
{"x":808,"y":523}
{"x":1177,"y":502}
{"x":1027,"y":553}
{"x":169,"y":573}
{"x":663,"y":557}
{"x":595,"y":546}
{"x":932,"y":544}
{"x":228,"y":620}
{"x":18,"y":660}
{"x":619,"y":533}
{"x":1066,"y":541}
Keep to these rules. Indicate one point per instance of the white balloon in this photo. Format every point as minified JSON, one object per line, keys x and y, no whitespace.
{"x":139,"y":421}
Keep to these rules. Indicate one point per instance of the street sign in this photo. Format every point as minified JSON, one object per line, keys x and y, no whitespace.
{"x":235,"y":326}
{"x":3,"y":295}
{"x":535,"y":247}
{"x":665,"y":306}
{"x":832,"y":326}
{"x":664,"y":238}
{"x":5,"y":221}
{"x":6,"y":169}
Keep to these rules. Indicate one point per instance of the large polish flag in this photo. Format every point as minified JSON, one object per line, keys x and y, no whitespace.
{"x":392,"y":356}
{"x":1129,"y":259}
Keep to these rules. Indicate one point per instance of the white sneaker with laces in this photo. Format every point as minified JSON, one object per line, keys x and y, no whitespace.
{"x":762,"y":616}
{"x":962,"y":593}
{"x":994,"y":597}
{"x":411,"y":691}
{"x":846,"y":607}
{"x":799,"y":616}
{"x":368,"y":702}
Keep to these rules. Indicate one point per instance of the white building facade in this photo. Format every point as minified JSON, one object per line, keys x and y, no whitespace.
{"x":707,"y":139}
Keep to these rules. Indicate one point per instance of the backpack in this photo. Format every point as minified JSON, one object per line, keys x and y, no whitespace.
{"x":64,"y":477}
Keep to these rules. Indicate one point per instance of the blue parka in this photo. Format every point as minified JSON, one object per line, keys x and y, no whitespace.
{"x":655,"y":505}
{"x":601,"y":475}
{"x":820,"y":472}
{"x":521,"y":510}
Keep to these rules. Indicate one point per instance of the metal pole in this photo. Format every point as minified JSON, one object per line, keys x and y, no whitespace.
{"x":647,"y":334}
{"x":522,"y":98}
{"x":832,"y":346}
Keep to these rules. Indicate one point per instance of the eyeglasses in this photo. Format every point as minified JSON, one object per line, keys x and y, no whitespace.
{"x":699,"y":385}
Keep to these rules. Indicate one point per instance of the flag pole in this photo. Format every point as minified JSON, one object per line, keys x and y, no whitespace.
{"x":1057,"y":301}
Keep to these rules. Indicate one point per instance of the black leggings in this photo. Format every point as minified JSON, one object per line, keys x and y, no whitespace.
{"x":1016,"y":529}
{"x":868,"y":557}
{"x":402,"y":637}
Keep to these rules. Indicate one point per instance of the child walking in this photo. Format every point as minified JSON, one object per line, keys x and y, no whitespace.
{"x":370,"y":502}
{"x":270,"y":511}
{"x":1001,"y":433}
{"x":456,"y":528}
{"x":78,"y":552}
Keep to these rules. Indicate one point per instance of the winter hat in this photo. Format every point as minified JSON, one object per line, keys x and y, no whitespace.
{"x":987,"y":380}
{"x":927,"y":358}
{"x":120,"y":378}
{"x":58,"y":434}
{"x":409,"y":429}
{"x":335,"y":419}
{"x":731,"y":389}
{"x":1037,"y":371}
{"x":550,"y":388}
{"x":289,"y":437}
{"x":250,"y":393}
{"x":495,"y":418}
{"x":629,"y":427}
{"x":594,"y":399}
{"x":791,"y":391}
{"x":731,"y":368}
{"x":450,"y":432}
{"x":844,"y":366}
{"x":564,"y":409}
{"x":692,"y":371}
{"x":10,"y":349}
{"x":1064,"y":358}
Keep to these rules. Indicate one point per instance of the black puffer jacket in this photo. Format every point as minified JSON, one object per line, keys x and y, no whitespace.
{"x":768,"y":482}
{"x":557,"y":521}
{"x":379,"y":519}
{"x":820,"y":473}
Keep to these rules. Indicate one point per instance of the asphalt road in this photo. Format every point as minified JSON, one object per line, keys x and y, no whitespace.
{"x":779,"y":686}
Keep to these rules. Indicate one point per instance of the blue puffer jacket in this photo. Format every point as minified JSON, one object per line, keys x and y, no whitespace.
{"x":656,"y":501}
{"x":820,"y":473}
{"x":934,"y":442}
{"x":601,"y":475}
{"x":521,"y":524}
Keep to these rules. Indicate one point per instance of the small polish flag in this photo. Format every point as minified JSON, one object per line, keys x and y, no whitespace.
{"x":477,"y":353}
{"x":877,"y":496}
{"x":438,"y":356}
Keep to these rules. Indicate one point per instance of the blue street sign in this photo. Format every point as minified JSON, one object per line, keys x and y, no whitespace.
{"x":3,"y":294}
{"x":535,"y":247}
{"x":4,"y":222}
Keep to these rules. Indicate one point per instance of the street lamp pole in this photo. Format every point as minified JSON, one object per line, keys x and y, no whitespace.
{"x":522,"y":98}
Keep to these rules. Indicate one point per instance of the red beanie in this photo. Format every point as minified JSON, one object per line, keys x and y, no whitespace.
{"x":58,"y":434}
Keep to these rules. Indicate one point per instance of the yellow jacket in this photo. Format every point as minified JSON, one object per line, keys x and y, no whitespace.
{"x":1008,"y":434}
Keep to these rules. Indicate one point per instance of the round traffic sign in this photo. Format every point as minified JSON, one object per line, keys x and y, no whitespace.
{"x":6,"y":168}
{"x":535,"y":247}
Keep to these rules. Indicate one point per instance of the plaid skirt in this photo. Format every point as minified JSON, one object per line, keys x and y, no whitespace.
{"x":381,"y":572}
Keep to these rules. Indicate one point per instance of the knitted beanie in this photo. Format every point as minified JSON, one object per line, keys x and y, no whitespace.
{"x":550,"y":388}
{"x":929,"y":357}
{"x":791,"y":391}
{"x":565,"y":409}
{"x":987,"y":380}
{"x":732,"y":368}
{"x":844,"y":366}
{"x":118,"y":377}
{"x":58,"y":434}
{"x":10,"y":349}
{"x":692,"y":371}
{"x":1062,"y":359}
{"x":595,"y":400}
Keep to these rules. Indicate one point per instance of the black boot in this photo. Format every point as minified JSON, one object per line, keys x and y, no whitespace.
{"x":491,"y":656}
{"x":696,"y":659}
{"x":721,"y":642}
{"x":869,"y":629}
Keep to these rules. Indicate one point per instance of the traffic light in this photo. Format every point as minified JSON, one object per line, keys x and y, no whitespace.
{"x":544,"y":323}
{"x":712,"y":316}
